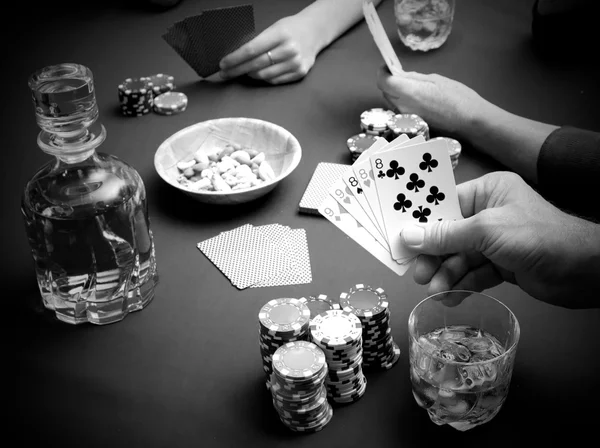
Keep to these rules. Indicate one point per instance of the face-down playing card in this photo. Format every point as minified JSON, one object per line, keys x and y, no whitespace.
{"x":211,"y":35}
{"x":292,"y":242}
{"x":415,"y":184}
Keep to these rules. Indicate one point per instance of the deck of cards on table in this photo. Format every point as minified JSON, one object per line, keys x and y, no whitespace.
{"x":392,"y":185}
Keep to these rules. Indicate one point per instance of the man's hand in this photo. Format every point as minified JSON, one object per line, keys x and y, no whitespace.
{"x":446,"y":105}
{"x":510,"y":233}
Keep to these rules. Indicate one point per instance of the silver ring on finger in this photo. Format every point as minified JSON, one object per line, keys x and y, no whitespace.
{"x":272,"y":62}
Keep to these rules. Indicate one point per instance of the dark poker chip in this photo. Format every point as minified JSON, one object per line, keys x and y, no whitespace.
{"x":162,"y":83}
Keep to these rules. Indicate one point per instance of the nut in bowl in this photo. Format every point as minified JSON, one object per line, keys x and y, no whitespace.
{"x":228,"y":160}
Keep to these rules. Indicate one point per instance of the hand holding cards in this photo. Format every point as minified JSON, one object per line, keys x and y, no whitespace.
{"x":392,"y":185}
{"x":203,"y":40}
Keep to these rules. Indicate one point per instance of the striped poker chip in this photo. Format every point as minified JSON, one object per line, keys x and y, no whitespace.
{"x":454,"y":147}
{"x":335,"y":327}
{"x":410,"y":124}
{"x":169,"y":103}
{"x":135,"y":86}
{"x":319,"y":304}
{"x":375,"y":119}
{"x":299,"y":359}
{"x":162,"y":83}
{"x":364,"y":301}
{"x":359,"y":143}
{"x":284,"y":315}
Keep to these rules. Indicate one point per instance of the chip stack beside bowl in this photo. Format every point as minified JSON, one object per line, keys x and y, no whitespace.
{"x":371,"y":307}
{"x":299,"y":394}
{"x":280,"y":321}
{"x":136,"y":96}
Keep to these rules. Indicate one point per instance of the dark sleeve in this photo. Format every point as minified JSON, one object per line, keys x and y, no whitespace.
{"x":566,"y":35}
{"x":568,"y":170}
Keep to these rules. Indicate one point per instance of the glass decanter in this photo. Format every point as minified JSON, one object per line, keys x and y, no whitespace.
{"x":85,"y":212}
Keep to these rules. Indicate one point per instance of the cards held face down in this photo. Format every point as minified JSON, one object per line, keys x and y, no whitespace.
{"x":392,"y":185}
{"x":261,"y":256}
{"x":203,"y":40}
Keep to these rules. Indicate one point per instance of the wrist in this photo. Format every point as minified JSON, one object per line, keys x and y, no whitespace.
{"x":581,"y":260}
{"x":319,"y":34}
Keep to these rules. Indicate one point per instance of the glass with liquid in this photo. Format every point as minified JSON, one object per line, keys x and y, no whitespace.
{"x":461,"y":357}
{"x":424,"y":25}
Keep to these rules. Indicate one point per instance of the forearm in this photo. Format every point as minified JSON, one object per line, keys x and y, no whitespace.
{"x":583,"y":264}
{"x":512,"y":140}
{"x":330,"y":19}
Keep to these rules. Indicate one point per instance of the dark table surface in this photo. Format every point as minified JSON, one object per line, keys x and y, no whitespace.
{"x":186,"y":371}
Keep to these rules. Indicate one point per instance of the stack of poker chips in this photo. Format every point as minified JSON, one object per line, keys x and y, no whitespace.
{"x":373,"y":126}
{"x":339,"y":334}
{"x":375,"y":121}
{"x":454,"y":149}
{"x":319,"y":304}
{"x":136,"y":96}
{"x":372,"y":309}
{"x":410,"y":124}
{"x":280,"y":321}
{"x":297,"y":387}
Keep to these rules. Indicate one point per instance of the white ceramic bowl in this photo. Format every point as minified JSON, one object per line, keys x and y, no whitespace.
{"x":281,"y":148}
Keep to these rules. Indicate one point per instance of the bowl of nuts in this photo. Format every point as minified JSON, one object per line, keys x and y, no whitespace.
{"x":228,"y":160}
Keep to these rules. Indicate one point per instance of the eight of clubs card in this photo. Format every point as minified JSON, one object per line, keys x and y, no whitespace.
{"x":364,"y":176}
{"x":415,"y":184}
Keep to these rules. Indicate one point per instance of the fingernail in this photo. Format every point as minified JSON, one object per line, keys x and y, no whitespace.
{"x":413,"y":235}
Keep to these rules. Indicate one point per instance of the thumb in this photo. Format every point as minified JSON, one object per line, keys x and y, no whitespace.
{"x":396,"y":85}
{"x":445,"y":237}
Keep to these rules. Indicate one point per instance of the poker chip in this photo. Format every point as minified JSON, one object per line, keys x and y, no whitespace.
{"x":339,"y":335}
{"x":454,"y":149}
{"x":162,"y":83}
{"x":281,"y":321}
{"x":298,"y":360}
{"x":319,"y":304}
{"x":375,"y":120}
{"x":371,"y":306}
{"x":297,"y":386}
{"x":410,"y":124}
{"x":170,"y":103}
{"x":135,"y":96}
{"x":359,"y":143}
{"x":335,"y":328}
